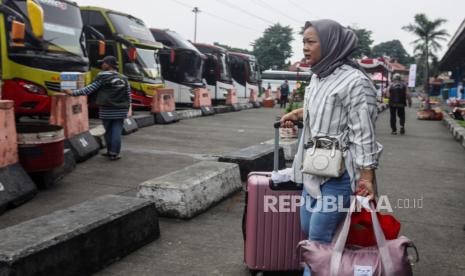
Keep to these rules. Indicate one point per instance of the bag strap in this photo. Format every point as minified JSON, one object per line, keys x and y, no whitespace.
{"x":340,"y":239}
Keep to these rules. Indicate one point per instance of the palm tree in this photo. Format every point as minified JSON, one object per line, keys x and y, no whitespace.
{"x":427,"y":43}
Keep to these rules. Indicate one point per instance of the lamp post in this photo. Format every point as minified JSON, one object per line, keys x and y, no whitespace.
{"x":195,"y":11}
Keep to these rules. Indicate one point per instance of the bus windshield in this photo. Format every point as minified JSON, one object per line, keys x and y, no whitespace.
{"x":225,"y":73}
{"x":148,"y":64}
{"x":130,"y":26}
{"x":62,"y":27}
{"x":253,"y":72}
{"x":190,"y":67}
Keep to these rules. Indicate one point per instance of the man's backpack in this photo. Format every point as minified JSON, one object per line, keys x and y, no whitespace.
{"x":398,"y":94}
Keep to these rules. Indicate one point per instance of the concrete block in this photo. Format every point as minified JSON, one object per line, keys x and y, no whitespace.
{"x":289,"y":147}
{"x":188,"y":114}
{"x":144,"y":120}
{"x":207,"y":110}
{"x":166,"y":117}
{"x":188,"y":192}
{"x":460,"y":134}
{"x":246,"y":106}
{"x":255,"y":158}
{"x":236,"y":107}
{"x":78,"y":240}
{"x":16,"y":187}
{"x":129,"y":126}
{"x":47,"y":179}
{"x":99,"y":134}
{"x":223,"y":108}
{"x":83,"y":146}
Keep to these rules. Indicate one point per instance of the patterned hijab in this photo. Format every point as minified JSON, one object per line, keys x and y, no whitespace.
{"x":337,"y":44}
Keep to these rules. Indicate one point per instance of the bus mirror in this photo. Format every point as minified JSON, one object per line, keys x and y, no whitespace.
{"x":132,"y":53}
{"x":36,"y":17}
{"x":101,"y":48}
{"x":18,"y":31}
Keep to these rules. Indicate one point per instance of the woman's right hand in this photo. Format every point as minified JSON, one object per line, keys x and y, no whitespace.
{"x":287,"y":121}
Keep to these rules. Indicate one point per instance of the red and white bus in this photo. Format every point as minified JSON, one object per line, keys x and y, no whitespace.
{"x":245,"y":73}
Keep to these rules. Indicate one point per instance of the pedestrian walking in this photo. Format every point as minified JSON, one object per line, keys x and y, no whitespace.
{"x":284,"y":88}
{"x":114,"y":101}
{"x":399,"y":97}
{"x":340,"y":104}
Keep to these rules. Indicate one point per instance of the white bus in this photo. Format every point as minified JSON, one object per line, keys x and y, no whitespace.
{"x":275,"y":78}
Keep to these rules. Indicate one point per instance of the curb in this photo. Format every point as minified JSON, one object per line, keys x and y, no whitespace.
{"x":457,"y":131}
{"x":78,"y":240}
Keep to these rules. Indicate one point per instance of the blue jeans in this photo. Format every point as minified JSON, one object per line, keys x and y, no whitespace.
{"x":113,"y":132}
{"x":319,"y":218}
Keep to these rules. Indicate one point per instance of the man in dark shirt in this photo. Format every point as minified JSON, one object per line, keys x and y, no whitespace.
{"x":398,"y":98}
{"x":114,"y":101}
{"x":284,"y":94}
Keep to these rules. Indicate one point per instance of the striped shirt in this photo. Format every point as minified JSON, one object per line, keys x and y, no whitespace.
{"x":344,"y":106}
{"x":105,"y":112}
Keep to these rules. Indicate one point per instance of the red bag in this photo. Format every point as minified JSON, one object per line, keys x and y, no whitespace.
{"x":361,"y":228}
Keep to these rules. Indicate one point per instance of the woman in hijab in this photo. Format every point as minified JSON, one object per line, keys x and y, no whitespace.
{"x":340,"y":102}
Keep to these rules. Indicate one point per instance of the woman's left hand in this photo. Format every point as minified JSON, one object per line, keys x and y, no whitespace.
{"x":365,"y":188}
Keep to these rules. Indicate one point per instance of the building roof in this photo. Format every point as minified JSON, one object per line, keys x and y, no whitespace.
{"x":455,"y":55}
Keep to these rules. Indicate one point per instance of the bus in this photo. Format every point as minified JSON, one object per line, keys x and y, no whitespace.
{"x":52,"y":41}
{"x":245,"y":73}
{"x":276,"y":78}
{"x":216,"y":72}
{"x":131,"y":42}
{"x":182,"y":65}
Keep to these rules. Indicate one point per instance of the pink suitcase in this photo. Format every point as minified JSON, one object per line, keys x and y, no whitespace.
{"x":271,"y":238}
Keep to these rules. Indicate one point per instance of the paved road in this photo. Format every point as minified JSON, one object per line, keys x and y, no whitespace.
{"x":425,"y":164}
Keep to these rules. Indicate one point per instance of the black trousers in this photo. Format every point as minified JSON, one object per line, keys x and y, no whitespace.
{"x":283,"y":101}
{"x":397,"y":111}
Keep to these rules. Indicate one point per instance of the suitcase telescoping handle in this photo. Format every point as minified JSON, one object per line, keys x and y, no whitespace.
{"x":277,"y":126}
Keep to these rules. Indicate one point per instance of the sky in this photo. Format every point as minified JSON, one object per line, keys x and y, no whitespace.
{"x":240,"y":22}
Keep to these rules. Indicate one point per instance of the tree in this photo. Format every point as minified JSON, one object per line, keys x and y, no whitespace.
{"x":393,"y":49}
{"x":274,"y":47}
{"x":428,"y":37}
{"x":233,"y":49}
{"x":364,"y":42}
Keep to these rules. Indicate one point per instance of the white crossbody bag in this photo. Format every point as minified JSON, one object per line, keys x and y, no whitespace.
{"x":323,"y":157}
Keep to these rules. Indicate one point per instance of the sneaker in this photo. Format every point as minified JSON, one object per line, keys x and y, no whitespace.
{"x":394,"y":133}
{"x":402,"y":131}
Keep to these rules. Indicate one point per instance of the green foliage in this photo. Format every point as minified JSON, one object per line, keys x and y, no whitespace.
{"x":274,"y":47}
{"x":393,"y":49}
{"x":233,"y":49}
{"x":364,"y":42}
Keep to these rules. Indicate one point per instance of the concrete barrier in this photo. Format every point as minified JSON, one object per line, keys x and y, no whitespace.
{"x":223,"y":109}
{"x":188,"y":192}
{"x":231,"y":97}
{"x":144,"y":120}
{"x":164,"y":106}
{"x":8,"y":137}
{"x":78,"y":240}
{"x":254,"y":158}
{"x":129,"y":126}
{"x":71,"y":113}
{"x":202,"y":98}
{"x":16,"y":187}
{"x":189,"y":114}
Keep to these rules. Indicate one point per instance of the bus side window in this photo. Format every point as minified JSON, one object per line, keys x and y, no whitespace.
{"x":96,"y":20}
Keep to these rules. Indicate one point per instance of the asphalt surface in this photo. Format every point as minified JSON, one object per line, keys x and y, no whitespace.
{"x":423,"y":170}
